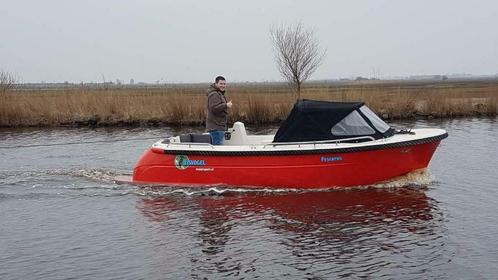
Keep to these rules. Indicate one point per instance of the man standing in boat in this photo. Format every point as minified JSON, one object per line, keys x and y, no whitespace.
{"x":217,"y":114}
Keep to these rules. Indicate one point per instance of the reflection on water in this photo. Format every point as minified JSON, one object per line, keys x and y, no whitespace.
{"x":365,"y":233}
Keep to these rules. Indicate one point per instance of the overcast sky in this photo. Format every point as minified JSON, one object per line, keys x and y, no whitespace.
{"x":193,"y":41}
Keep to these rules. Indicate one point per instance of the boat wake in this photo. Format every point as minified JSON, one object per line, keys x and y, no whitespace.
{"x":61,"y":178}
{"x":420,"y":177}
{"x":103,"y":179}
{"x":100,"y":175}
{"x":417,"y":178}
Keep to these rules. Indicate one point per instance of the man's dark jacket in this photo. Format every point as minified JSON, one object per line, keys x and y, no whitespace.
{"x":217,"y":109}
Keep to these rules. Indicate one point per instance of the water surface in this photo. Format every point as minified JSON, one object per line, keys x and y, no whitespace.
{"x":63,"y":217}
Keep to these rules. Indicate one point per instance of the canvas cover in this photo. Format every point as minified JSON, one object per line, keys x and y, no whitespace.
{"x":312,"y":120}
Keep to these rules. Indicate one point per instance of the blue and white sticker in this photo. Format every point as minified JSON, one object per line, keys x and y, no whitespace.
{"x":183,"y":162}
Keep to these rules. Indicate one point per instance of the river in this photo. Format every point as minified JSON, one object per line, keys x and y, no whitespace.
{"x":62,"y":217}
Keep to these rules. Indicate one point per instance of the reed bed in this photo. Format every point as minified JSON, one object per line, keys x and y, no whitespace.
{"x":253,"y":104}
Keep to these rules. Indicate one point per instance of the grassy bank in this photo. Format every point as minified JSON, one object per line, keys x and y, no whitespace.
{"x":253,"y":104}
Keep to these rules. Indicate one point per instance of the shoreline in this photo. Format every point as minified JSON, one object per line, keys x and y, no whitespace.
{"x":92,"y":125}
{"x":254,"y":104}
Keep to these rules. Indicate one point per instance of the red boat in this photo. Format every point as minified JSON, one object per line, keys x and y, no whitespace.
{"x":320,"y":145}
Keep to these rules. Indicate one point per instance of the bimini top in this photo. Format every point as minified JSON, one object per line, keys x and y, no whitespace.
{"x":312,"y":120}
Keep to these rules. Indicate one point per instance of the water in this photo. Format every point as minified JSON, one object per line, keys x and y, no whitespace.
{"x":63,"y":218}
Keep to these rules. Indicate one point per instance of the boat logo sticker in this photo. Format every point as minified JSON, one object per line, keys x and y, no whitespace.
{"x":182,"y":162}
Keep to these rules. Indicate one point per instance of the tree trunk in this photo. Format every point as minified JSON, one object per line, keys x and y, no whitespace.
{"x":298,"y":91}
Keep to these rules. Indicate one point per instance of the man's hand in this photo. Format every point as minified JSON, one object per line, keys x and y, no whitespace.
{"x":229,"y":104}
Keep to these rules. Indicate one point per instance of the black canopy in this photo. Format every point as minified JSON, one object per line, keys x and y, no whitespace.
{"x":312,"y":120}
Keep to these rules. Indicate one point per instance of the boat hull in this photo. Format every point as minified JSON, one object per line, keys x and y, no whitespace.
{"x":326,"y":169}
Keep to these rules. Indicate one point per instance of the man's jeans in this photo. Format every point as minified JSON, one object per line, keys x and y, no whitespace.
{"x":217,"y":137}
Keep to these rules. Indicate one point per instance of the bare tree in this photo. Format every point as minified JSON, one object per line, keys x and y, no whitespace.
{"x":7,"y":81}
{"x":297,"y":53}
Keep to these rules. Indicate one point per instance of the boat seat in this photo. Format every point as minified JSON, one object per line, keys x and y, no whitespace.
{"x":195,"y":138}
{"x":185,"y":138}
{"x":236,"y":135}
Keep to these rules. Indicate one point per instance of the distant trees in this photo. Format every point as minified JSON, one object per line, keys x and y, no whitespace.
{"x":297,"y":53}
{"x":7,"y":81}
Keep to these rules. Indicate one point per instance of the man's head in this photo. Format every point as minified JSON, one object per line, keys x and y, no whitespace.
{"x":220,"y":83}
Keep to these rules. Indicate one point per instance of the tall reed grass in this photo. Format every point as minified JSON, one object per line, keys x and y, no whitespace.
{"x":253,"y":104}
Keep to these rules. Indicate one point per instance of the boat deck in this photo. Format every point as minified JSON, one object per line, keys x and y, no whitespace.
{"x":262,"y":144}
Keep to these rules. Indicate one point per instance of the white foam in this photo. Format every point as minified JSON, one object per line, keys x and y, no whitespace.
{"x":420,"y":177}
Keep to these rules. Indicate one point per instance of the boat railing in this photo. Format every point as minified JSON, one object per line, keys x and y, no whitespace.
{"x":273,"y":144}
{"x":190,"y":144}
{"x":335,"y":141}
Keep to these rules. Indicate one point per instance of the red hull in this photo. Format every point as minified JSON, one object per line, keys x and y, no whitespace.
{"x":306,"y":171}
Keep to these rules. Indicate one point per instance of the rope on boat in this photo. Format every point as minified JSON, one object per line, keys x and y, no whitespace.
{"x":78,"y":143}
